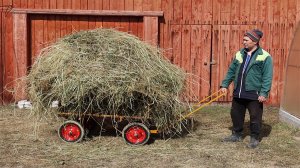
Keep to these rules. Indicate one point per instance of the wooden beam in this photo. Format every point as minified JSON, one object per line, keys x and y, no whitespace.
{"x":87,"y":12}
{"x":20,"y":48}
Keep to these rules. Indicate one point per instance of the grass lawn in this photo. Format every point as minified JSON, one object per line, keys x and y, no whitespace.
{"x":22,"y":146}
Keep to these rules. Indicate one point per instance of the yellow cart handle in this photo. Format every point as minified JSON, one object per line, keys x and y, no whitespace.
{"x":203,"y":100}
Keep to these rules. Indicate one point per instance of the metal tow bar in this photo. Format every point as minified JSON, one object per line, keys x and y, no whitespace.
{"x":218,"y":94}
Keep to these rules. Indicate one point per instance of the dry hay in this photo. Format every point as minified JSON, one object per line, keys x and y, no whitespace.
{"x":108,"y":72}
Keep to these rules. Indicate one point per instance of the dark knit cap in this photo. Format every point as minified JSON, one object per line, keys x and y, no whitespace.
{"x":255,"y":35}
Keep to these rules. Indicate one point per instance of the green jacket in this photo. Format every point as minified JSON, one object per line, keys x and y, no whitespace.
{"x":259,"y":72}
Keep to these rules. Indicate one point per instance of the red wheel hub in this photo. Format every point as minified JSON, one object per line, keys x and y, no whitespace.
{"x":70,"y":132}
{"x":136,"y":134}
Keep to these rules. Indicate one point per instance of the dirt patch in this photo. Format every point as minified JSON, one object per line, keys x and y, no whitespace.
{"x":20,"y":147}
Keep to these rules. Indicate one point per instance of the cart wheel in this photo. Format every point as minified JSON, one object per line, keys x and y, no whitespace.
{"x":136,"y":134}
{"x":71,"y":131}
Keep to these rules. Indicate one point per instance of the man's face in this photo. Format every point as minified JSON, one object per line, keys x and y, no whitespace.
{"x":248,"y":43}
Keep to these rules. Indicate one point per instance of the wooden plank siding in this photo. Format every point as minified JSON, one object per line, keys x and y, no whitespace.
{"x":7,"y":54}
{"x":1,"y":53}
{"x":201,"y":36}
{"x":51,"y":34}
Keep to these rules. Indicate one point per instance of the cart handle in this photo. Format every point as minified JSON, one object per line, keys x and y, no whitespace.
{"x":199,"y":108}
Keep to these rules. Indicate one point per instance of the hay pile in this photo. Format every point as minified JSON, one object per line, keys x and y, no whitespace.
{"x":109,"y":72}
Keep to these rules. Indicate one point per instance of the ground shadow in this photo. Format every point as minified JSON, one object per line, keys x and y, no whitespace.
{"x":265,"y":130}
{"x":96,"y":128}
{"x":186,"y":127}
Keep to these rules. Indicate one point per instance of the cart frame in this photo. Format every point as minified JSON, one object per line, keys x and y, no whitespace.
{"x":134,"y":133}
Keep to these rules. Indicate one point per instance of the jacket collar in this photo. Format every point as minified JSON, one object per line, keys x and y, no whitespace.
{"x":258,"y":51}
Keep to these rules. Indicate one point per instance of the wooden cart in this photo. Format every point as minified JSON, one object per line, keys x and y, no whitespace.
{"x":137,"y":130}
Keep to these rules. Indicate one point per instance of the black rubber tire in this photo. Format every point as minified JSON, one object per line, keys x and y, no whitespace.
{"x":141,"y":127}
{"x":69,"y":122}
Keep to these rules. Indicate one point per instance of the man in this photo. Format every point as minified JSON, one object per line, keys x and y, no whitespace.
{"x":252,"y":73}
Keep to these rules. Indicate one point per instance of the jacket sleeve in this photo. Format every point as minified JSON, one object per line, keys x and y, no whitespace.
{"x":230,"y":74}
{"x":267,"y":76}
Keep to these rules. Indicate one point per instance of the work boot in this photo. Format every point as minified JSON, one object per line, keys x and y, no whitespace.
{"x":253,"y":143}
{"x":235,"y":137}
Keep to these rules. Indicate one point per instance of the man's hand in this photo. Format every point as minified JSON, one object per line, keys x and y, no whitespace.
{"x":224,"y":90}
{"x":261,"y":99}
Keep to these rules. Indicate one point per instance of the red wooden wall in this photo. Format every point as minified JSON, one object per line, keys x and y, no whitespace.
{"x":194,"y":33}
{"x":45,"y":29}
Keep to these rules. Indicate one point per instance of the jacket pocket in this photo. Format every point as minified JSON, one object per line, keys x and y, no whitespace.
{"x":258,"y":65}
